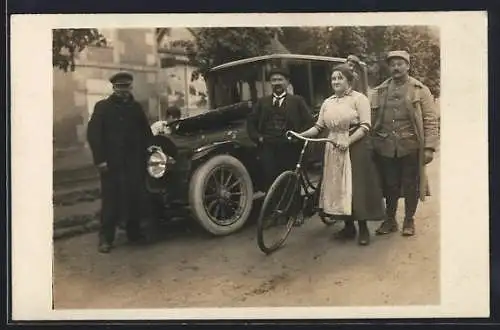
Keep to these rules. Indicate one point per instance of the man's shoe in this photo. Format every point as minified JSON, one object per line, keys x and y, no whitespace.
{"x":408,"y":228}
{"x":104,"y":248}
{"x":388,"y":226}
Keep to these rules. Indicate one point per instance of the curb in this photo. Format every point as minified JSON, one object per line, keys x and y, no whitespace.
{"x":64,"y":177}
{"x":76,"y":220}
{"x":75,"y":230}
{"x":74,"y":197}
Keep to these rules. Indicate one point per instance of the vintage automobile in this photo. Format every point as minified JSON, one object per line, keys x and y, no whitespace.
{"x":207,"y":168}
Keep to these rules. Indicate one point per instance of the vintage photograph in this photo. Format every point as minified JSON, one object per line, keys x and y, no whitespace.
{"x":249,"y":166}
{"x":266,"y":166}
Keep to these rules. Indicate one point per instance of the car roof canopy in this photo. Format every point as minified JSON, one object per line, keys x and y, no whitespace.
{"x":277,"y":56}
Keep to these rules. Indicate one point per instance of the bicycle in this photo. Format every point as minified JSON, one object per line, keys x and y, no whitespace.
{"x":297,"y":198}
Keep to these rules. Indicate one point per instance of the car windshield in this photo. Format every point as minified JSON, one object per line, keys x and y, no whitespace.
{"x":237,"y":84}
{"x":247,"y":82}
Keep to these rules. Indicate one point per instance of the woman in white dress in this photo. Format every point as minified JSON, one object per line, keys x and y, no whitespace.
{"x":351,"y":189}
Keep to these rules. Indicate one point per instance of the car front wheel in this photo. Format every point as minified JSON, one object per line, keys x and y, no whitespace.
{"x":221,"y":195}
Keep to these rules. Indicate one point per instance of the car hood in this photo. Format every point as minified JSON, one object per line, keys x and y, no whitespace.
{"x":222,"y":124}
{"x":213,"y":119}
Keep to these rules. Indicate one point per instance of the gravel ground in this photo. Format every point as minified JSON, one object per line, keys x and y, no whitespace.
{"x":187,"y":269}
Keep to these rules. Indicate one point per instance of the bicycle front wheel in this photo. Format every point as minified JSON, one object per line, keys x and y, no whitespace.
{"x":278,"y":212}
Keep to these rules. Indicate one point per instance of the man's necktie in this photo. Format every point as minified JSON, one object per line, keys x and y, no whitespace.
{"x":276,"y":100}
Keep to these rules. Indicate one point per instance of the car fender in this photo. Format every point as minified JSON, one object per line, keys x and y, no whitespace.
{"x":215,"y":147}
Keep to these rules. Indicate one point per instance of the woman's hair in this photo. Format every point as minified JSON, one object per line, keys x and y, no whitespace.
{"x":346,"y":72}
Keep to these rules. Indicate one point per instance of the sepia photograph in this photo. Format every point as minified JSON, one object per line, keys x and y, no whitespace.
{"x":248,"y":166}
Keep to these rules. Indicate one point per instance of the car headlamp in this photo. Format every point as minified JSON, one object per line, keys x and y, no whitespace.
{"x":158,"y":162}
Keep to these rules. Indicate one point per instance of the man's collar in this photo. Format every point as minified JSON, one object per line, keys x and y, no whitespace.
{"x":118,"y":98}
{"x":282,"y":95}
{"x":402,"y":81}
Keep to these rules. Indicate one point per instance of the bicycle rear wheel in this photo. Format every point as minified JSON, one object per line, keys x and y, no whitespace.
{"x":279,"y":211}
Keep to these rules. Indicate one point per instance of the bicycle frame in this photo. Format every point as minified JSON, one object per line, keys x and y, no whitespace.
{"x":304,"y":178}
{"x":305,"y":182}
{"x":298,"y":207}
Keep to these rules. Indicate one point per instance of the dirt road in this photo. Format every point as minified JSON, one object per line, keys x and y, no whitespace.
{"x":190,"y":270}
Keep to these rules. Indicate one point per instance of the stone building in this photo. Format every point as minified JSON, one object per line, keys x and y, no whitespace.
{"x":75,"y":93}
{"x":174,"y":77}
{"x":162,"y":77}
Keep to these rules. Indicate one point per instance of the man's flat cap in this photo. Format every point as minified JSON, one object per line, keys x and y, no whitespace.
{"x":398,"y":54}
{"x":121,"y":78}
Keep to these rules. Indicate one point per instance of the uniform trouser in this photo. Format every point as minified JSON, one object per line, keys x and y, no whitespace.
{"x":123,"y":201}
{"x":400,"y":175}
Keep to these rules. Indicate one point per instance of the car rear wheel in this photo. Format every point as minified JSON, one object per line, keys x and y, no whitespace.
{"x":221,"y":195}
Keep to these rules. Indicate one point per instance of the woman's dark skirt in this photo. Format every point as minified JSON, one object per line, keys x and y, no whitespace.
{"x":367,"y":193}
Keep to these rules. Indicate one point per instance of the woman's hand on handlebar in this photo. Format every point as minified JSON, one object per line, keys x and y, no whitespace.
{"x":290,"y":135}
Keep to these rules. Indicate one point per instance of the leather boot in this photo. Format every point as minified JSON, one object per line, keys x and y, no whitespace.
{"x":408,"y":227}
{"x":346,"y":233}
{"x":388,"y":226}
{"x":364,"y":233}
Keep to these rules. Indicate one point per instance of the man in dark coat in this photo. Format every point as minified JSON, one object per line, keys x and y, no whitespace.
{"x":271,"y":117}
{"x":405,"y":137}
{"x":118,"y":134}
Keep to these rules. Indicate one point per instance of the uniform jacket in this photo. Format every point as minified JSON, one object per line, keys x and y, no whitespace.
{"x":118,"y":133}
{"x":420,"y":103}
{"x":298,"y":115}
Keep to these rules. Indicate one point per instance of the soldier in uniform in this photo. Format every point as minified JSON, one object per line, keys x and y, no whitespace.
{"x":405,"y":137}
{"x":118,"y":134}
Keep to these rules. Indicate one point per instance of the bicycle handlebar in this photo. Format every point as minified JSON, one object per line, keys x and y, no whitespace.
{"x":289,"y":135}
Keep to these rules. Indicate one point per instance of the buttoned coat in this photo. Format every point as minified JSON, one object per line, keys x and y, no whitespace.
{"x":420,"y":104}
{"x":119,"y":131}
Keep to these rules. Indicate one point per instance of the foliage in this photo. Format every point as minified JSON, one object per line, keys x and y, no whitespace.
{"x":343,"y":41}
{"x":300,"y":40}
{"x":424,"y":52}
{"x":371,"y":44}
{"x":66,"y":43}
{"x":214,"y":46}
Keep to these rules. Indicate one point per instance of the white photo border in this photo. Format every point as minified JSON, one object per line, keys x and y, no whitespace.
{"x":464,"y":163}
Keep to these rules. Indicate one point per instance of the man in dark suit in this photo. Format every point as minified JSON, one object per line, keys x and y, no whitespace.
{"x":118,"y":133}
{"x":271,"y":117}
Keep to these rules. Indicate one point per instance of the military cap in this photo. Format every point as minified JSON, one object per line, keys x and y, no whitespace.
{"x":353,"y":58}
{"x":278,"y":70}
{"x":399,"y":54}
{"x":121,"y":78}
